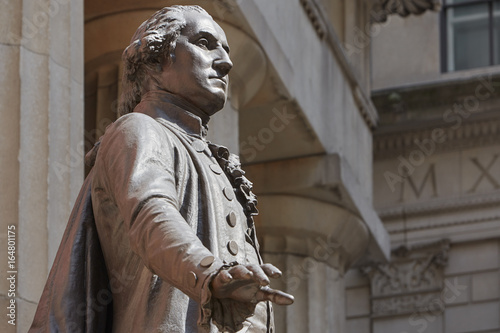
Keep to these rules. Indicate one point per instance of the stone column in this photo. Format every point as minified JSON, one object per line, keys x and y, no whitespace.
{"x":313,"y":242}
{"x":42,"y":93}
{"x":10,"y":24}
{"x":314,"y":225}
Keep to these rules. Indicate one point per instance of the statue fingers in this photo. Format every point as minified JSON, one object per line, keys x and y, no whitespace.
{"x":240,"y":272}
{"x":276,"y":296}
{"x":271,"y":271}
{"x":225,"y":277}
{"x":259,"y":275}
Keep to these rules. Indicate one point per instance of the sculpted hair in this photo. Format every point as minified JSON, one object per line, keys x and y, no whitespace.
{"x":152,"y":44}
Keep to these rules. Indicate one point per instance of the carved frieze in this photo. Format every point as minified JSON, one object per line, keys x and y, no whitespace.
{"x":412,"y":279}
{"x":480,"y":133}
{"x":382,"y":8}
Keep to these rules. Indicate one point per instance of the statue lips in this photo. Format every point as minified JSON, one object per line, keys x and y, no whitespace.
{"x":223,"y":80}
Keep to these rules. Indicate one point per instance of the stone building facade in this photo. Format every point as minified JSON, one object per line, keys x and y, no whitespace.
{"x":436,"y":175}
{"x":378,"y":198}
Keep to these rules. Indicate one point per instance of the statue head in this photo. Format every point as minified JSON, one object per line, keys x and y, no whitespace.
{"x":180,"y":49}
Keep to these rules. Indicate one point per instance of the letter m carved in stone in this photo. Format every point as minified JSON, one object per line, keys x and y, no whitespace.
{"x":429,"y":177}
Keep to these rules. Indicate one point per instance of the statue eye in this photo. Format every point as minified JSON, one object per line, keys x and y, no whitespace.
{"x":202,"y":42}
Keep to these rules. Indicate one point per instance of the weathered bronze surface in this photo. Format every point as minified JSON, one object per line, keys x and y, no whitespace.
{"x":161,"y":238}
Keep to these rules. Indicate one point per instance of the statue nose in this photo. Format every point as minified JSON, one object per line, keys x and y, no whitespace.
{"x":223,"y":65}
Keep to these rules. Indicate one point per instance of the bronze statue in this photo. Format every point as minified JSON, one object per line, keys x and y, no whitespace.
{"x":161,"y":238}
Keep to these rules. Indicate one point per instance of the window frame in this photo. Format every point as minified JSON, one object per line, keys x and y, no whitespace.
{"x":444,"y":31}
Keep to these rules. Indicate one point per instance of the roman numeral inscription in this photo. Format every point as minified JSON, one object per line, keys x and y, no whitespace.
{"x":429,"y":177}
{"x":485,"y":174}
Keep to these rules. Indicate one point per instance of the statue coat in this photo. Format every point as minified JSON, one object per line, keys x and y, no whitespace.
{"x":161,"y":212}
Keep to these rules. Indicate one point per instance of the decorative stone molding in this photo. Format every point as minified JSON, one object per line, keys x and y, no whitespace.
{"x":465,"y":109}
{"x":471,"y":134}
{"x":438,"y":206}
{"x":410,"y":282}
{"x":383,"y":8}
{"x":445,"y":224}
{"x":313,"y":10}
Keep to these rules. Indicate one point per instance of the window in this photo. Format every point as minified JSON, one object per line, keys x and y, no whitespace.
{"x":471,"y":34}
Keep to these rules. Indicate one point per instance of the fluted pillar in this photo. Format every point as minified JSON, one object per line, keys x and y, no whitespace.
{"x":10,"y":21}
{"x":41,"y":97}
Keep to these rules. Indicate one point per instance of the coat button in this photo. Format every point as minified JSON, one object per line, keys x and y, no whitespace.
{"x":216,"y":168}
{"x":192,"y":278}
{"x":199,"y":145}
{"x":232,"y":219}
{"x":228,"y":192}
{"x":207,"y":261}
{"x":232,"y":246}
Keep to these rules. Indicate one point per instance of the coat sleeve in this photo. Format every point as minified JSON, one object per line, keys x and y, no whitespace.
{"x":138,"y":160}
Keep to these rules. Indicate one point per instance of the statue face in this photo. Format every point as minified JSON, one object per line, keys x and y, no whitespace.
{"x":199,"y":71}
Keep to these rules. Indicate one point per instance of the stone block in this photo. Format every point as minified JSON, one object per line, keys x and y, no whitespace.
{"x":472,"y":318}
{"x":485,"y":286}
{"x":431,"y":176}
{"x":357,"y":302}
{"x":473,"y":257}
{"x":457,"y":290}
{"x":354,"y":278}
{"x":406,"y":63}
{"x":358,"y":325}
{"x":36,"y":23}
{"x":427,"y":323}
{"x":481,"y":170}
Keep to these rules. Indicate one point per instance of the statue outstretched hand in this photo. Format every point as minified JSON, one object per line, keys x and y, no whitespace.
{"x":249,"y":283}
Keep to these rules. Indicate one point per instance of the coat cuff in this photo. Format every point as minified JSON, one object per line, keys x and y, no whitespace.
{"x":225,"y":313}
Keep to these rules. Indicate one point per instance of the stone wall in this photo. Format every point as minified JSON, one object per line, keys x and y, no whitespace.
{"x":437,"y":181}
{"x":41,"y":99}
{"x":468,"y":300}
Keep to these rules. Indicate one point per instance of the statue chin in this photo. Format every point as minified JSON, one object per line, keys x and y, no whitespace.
{"x":215,"y":106}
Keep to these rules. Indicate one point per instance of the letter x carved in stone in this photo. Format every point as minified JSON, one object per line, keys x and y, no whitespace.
{"x":485,"y":174}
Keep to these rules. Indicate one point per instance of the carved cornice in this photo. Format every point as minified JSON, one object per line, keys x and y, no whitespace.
{"x":313,"y":10}
{"x":478,"y":133}
{"x":439,"y":206}
{"x":412,"y":279}
{"x":465,"y":109}
{"x":383,"y":8}
{"x":445,"y":224}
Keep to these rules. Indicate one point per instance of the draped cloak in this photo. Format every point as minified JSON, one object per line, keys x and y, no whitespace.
{"x":161,"y":212}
